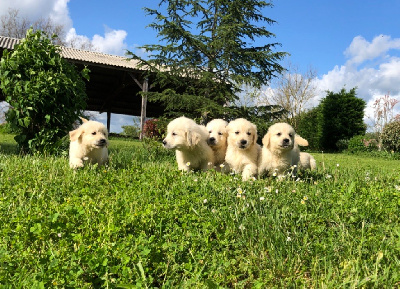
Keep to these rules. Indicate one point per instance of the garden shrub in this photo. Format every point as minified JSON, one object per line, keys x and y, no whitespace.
{"x":342,"y":144}
{"x":362,"y":143}
{"x":153,"y":129}
{"x":391,"y":136}
{"x":46,"y":94}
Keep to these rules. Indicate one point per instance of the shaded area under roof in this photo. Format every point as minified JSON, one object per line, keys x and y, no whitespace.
{"x":113,"y":85}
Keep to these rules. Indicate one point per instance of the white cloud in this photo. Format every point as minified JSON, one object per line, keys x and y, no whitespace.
{"x":113,"y":42}
{"x":33,"y":10}
{"x":360,"y":50}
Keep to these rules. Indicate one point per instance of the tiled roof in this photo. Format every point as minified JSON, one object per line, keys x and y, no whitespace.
{"x":8,"y":42}
{"x":81,"y":55}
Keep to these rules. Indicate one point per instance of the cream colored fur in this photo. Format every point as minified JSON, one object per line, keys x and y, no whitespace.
{"x":189,"y":140}
{"x":89,"y":144}
{"x":242,"y":151}
{"x":280,"y":153}
{"x":217,"y":140}
{"x":307,"y":162}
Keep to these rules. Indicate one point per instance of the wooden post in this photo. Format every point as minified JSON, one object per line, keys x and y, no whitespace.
{"x":145,"y":89}
{"x":108,"y":121}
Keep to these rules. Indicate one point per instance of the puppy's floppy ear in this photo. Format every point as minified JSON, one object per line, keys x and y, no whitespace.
{"x":192,"y":137}
{"x":266,"y":139}
{"x":83,"y":119}
{"x":255,"y":136}
{"x":300,"y":141}
{"x":75,"y":134}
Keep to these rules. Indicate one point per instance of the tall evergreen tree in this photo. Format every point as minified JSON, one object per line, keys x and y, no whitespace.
{"x":208,"y":49}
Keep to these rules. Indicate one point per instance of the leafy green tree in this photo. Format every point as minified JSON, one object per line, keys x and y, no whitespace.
{"x":309,"y":126}
{"x":45,"y":92}
{"x":342,"y":117}
{"x":208,"y":50}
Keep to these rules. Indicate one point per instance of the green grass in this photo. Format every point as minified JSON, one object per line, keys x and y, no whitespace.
{"x":140,"y":223}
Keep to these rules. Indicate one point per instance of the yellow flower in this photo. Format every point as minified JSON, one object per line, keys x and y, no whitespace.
{"x":303,"y":202}
{"x":188,"y":164}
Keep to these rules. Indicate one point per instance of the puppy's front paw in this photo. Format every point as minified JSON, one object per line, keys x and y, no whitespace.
{"x":76,"y":164}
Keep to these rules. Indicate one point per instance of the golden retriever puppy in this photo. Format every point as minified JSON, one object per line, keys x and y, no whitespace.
{"x":190,"y":142}
{"x":307,"y":162}
{"x":217,"y":140}
{"x":280,"y":154}
{"x":242,"y":151}
{"x":89,"y":143}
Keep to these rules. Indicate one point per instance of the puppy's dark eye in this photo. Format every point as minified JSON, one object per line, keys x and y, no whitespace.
{"x":291,"y":135}
{"x":173,"y":133}
{"x":248,"y":133}
{"x":210,"y":131}
{"x":236,"y":132}
{"x":278,"y":134}
{"x":220,"y":133}
{"x":94,"y":133}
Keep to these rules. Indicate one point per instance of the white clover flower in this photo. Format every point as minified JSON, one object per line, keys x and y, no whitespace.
{"x":59,"y":235}
{"x":268,"y":189}
{"x":288,"y":239}
{"x":337,"y":165}
{"x":188,"y":164}
{"x":253,"y":178}
{"x":213,"y":211}
{"x":85,"y":158}
{"x":205,"y":201}
{"x":397,"y":187}
{"x":221,"y":166}
{"x":195,"y":180}
{"x":262,"y":198}
{"x":276,"y":191}
{"x":241,"y":227}
{"x":210,"y":163}
{"x":328,"y":176}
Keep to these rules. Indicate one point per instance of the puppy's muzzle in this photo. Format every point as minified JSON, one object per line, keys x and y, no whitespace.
{"x":243,"y":144}
{"x":211,"y":141}
{"x":285,"y":142}
{"x":164,"y":142}
{"x":101,"y":142}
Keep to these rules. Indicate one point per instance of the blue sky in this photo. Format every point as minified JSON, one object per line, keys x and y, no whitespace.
{"x":348,"y":42}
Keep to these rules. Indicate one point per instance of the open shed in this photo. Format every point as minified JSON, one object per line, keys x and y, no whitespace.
{"x":114,"y":86}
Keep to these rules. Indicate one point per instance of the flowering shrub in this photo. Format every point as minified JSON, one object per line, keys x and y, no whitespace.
{"x":152,"y":129}
{"x":391,"y":136}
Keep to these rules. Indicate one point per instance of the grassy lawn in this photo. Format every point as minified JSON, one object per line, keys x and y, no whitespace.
{"x":140,"y":223}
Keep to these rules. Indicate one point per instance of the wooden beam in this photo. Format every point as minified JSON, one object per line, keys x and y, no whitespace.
{"x":108,"y":121}
{"x":144,"y":107}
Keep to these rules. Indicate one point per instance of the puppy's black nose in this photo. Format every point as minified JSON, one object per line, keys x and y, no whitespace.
{"x":243,"y":142}
{"x":212,"y":139}
{"x":164,"y":142}
{"x":286,"y":140}
{"x":102,"y":141}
